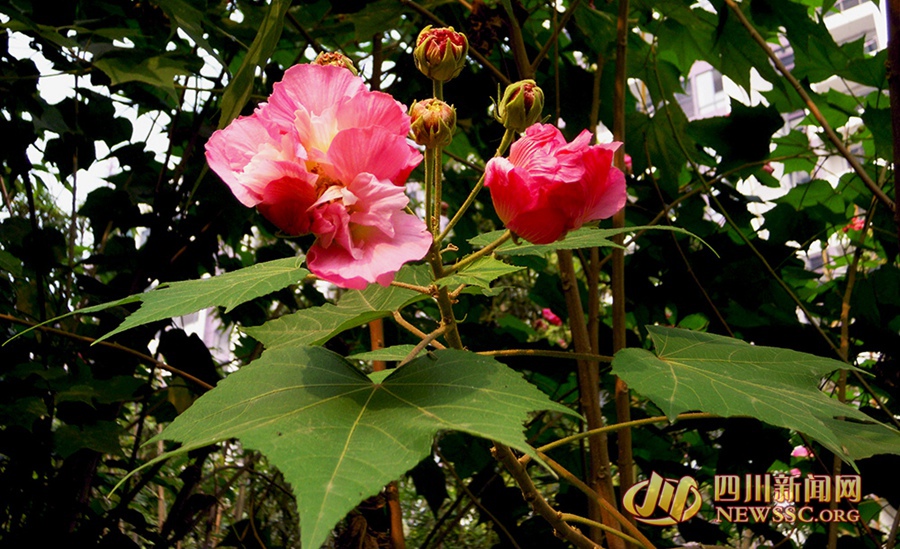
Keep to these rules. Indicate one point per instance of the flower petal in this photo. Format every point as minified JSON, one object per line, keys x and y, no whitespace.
{"x":381,"y":257}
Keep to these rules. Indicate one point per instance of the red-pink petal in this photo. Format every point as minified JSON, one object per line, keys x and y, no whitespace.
{"x":380,"y":257}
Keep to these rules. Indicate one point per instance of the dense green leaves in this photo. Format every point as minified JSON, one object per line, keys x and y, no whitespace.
{"x":728,"y":377}
{"x":338,"y":437}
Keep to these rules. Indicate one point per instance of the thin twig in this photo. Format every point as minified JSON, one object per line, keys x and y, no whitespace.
{"x":146,"y":358}
{"x":551,"y":354}
{"x":569,"y":517}
{"x":424,"y":343}
{"x":553,"y":37}
{"x":479,"y":254}
{"x":413,"y":330}
{"x":608,"y":506}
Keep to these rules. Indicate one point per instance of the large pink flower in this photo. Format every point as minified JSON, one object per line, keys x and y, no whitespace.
{"x":548,"y":187}
{"x":325,"y":155}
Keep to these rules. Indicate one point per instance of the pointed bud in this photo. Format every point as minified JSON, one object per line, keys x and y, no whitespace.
{"x":433,"y":122}
{"x":440,"y":53}
{"x":337,"y":59}
{"x":521,"y":105}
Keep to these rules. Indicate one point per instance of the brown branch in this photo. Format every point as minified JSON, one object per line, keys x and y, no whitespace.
{"x":589,"y":398}
{"x":813,"y":109}
{"x":619,"y":318}
{"x":593,"y":495}
{"x":144,"y":357}
{"x":413,"y":330}
{"x":540,"y":505}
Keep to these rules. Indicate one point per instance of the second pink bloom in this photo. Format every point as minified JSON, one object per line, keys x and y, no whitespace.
{"x":548,"y":187}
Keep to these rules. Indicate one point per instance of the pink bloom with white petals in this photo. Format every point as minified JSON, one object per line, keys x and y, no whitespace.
{"x":327,"y":156}
{"x":548,"y":187}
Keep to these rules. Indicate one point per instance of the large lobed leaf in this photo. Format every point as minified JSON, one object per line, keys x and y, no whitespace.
{"x":728,"y":377}
{"x":338,"y":437}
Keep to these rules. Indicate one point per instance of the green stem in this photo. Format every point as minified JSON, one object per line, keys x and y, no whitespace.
{"x":550,"y":354}
{"x":477,"y":255}
{"x":625,"y":425}
{"x":438,"y":89}
{"x":508,"y":137}
{"x":569,"y":517}
{"x":436,"y":197}
{"x":429,"y":188}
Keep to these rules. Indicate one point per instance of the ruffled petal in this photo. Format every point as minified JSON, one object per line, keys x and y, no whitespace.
{"x":230,"y":150}
{"x":285,"y":202}
{"x":604,"y":185}
{"x":371,"y":150}
{"x":381,"y":257}
{"x":309,"y":88}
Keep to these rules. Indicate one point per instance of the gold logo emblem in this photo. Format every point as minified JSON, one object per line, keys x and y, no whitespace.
{"x":680,"y":500}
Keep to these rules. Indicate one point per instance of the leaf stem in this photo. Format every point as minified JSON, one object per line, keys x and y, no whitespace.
{"x":413,"y":330}
{"x":424,"y":343}
{"x":479,"y":254}
{"x":508,"y":137}
{"x":594,"y":496}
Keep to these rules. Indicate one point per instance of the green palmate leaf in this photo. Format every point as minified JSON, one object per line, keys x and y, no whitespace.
{"x":239,"y":89}
{"x":394,"y":352}
{"x":228,"y":290}
{"x":585,"y":237}
{"x":338,"y":437}
{"x":180,"y":298}
{"x":728,"y":377}
{"x":317,"y":325}
{"x":480,"y":273}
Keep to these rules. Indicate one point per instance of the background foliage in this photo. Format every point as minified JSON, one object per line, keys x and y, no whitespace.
{"x":75,"y":416}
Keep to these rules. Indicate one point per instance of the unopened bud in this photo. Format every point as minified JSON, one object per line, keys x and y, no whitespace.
{"x":433,"y":122}
{"x":337,"y":59}
{"x":521,"y":105}
{"x":441,"y":53}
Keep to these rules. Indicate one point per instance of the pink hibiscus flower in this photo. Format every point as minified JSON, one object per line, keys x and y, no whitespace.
{"x":548,"y":187}
{"x":327,"y":156}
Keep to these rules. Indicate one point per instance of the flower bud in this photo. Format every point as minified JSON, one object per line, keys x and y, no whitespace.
{"x":337,"y":59}
{"x":521,"y":105}
{"x":433,"y":122}
{"x":440,"y":53}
